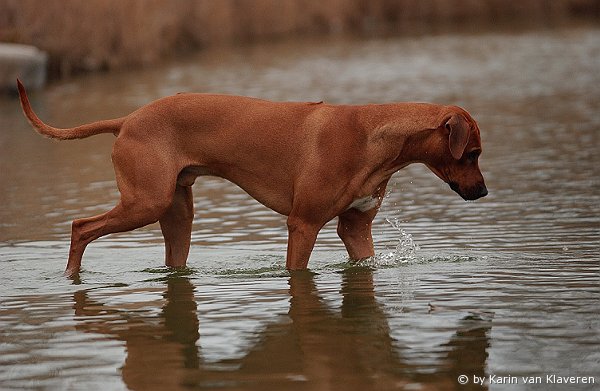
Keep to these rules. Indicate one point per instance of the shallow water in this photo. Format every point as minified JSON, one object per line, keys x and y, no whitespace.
{"x":501,"y":287}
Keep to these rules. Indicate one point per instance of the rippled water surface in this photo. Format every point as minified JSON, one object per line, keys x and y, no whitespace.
{"x":507,"y":286}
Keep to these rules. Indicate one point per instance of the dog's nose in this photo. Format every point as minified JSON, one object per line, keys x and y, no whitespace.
{"x":483,"y":191}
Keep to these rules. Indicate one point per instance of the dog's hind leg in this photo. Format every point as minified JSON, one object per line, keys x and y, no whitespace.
{"x":147,"y":184}
{"x":176,"y":226}
{"x":124,"y":217}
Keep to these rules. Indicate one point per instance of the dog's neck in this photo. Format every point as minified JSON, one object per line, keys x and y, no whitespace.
{"x":402,"y":148}
{"x":410,"y":134}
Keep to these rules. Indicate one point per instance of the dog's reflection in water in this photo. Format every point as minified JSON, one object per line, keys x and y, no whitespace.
{"x":313,"y":347}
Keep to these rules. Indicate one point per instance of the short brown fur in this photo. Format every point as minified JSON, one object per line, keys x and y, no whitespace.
{"x":309,"y":161}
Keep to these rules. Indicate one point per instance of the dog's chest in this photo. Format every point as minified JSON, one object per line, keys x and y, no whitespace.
{"x":364,"y":204}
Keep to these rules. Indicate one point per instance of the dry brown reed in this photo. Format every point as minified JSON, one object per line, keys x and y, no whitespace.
{"x":88,"y":35}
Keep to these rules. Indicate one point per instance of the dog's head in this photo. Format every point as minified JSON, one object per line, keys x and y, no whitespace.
{"x":458,"y":146}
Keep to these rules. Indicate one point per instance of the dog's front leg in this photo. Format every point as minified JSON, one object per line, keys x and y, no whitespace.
{"x":354,"y":227}
{"x":301,"y":240}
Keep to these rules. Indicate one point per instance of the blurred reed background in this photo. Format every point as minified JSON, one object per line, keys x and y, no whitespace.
{"x":96,"y":35}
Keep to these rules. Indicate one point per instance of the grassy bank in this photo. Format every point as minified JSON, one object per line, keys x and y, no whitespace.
{"x":108,"y":34}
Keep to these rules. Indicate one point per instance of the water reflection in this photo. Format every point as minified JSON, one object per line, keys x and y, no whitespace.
{"x":313,"y":345}
{"x":159,"y":347}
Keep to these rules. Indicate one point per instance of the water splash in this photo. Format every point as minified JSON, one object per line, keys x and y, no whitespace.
{"x":405,"y":251}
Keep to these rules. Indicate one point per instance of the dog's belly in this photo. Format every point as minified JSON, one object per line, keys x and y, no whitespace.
{"x":275,"y":197}
{"x":188,"y":175}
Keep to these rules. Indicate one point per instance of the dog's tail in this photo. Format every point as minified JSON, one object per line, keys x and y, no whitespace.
{"x":83,"y":131}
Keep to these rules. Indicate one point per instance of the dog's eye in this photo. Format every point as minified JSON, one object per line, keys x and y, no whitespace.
{"x":473,"y":155}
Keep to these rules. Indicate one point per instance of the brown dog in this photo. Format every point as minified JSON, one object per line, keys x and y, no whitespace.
{"x":308,"y":161}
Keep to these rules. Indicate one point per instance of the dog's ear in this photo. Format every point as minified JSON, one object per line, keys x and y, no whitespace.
{"x":459,"y":135}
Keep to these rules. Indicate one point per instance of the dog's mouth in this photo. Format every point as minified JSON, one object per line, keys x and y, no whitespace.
{"x":472,"y":194}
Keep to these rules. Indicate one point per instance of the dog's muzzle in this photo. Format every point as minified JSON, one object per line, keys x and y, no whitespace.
{"x":471,"y":194}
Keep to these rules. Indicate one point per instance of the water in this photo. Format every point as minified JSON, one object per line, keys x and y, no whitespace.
{"x":504,"y":286}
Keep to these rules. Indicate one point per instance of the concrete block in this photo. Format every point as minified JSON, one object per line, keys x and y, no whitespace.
{"x":23,"y":61}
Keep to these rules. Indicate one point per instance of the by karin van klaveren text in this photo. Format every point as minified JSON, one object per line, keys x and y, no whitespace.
{"x":509,"y":379}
